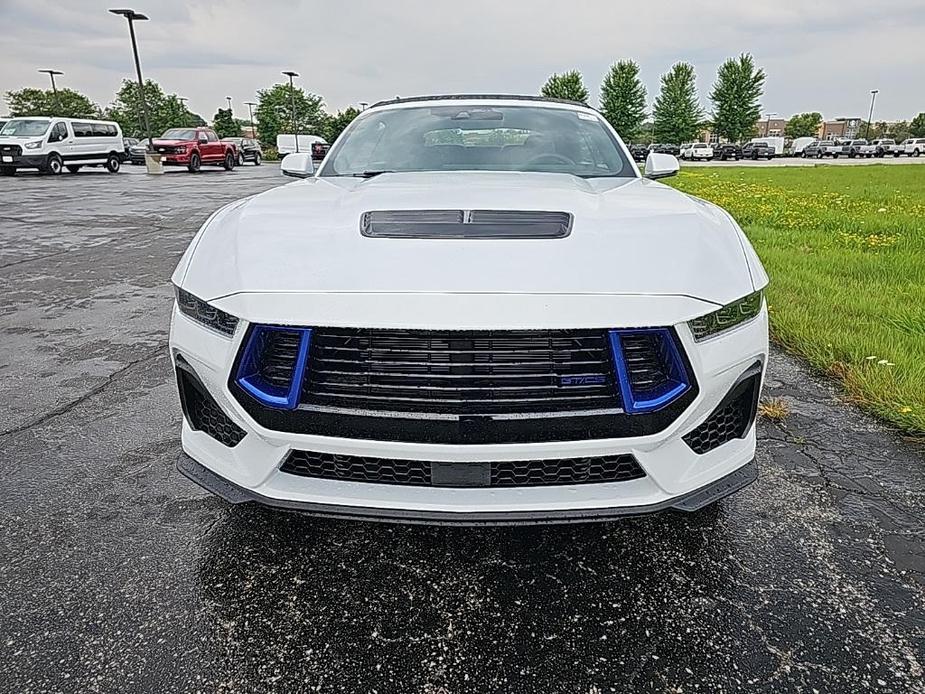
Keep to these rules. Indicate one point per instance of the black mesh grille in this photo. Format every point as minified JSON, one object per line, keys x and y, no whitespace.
{"x":276,"y":353}
{"x":202,"y":412}
{"x":529,"y":473}
{"x":646,"y":360}
{"x":460,"y":372}
{"x":14,"y":150}
{"x":731,"y":420}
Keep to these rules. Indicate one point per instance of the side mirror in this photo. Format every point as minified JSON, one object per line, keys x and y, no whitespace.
{"x":661,"y":165}
{"x":298,"y":165}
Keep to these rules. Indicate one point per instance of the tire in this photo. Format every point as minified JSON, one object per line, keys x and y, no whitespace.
{"x":7,"y":170}
{"x":818,"y":155}
{"x":915,"y":153}
{"x":195,"y":163}
{"x":113,"y":163}
{"x":229,"y":161}
{"x":240,"y":158}
{"x":53,"y":164}
{"x":257,"y":159}
{"x":73,"y":168}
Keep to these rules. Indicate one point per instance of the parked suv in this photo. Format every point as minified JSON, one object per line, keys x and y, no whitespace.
{"x":757,"y":150}
{"x":639,"y":152}
{"x":880,"y":148}
{"x":193,"y":147}
{"x":820,"y":149}
{"x":914,"y":147}
{"x":727,"y":150}
{"x":248,"y":149}
{"x":52,"y":144}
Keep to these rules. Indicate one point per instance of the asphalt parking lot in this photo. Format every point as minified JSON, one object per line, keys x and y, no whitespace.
{"x":119,"y":575}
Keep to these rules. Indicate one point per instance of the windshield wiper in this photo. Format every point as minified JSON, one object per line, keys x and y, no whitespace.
{"x":370,"y":174}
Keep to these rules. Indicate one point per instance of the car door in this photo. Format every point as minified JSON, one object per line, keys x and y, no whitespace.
{"x":61,"y":140}
{"x":215,"y":148}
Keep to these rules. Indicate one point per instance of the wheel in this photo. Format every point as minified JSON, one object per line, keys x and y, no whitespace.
{"x":819,"y":155}
{"x":54,"y":164}
{"x":240,"y":158}
{"x":194,"y":163}
{"x":229,"y":161}
{"x":915,"y":152}
{"x":73,"y":168}
{"x":257,"y":159}
{"x":7,"y":171}
{"x":113,"y":163}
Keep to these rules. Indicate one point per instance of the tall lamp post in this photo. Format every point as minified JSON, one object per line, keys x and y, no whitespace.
{"x":132,"y":17}
{"x":873,"y":96}
{"x":295,"y":127}
{"x":183,"y":100}
{"x":364,"y":105}
{"x":250,"y":109}
{"x":228,"y":98}
{"x":54,"y":88}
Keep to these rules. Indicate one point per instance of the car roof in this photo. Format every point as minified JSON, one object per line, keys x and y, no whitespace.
{"x":477,"y":97}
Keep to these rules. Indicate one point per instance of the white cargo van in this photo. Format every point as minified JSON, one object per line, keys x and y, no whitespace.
{"x":52,"y":144}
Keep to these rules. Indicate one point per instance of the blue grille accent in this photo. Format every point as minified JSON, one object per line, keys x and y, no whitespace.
{"x":650,"y":371}
{"x":273,"y":365}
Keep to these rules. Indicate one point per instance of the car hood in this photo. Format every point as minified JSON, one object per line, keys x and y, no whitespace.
{"x":629,"y":236}
{"x":171,"y":143}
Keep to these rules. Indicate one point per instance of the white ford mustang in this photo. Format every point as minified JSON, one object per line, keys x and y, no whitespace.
{"x":476,"y":311}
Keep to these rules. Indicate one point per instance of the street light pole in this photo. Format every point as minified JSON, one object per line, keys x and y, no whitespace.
{"x":250,"y":109}
{"x":295,"y":127}
{"x":132,"y":16}
{"x":54,"y":88}
{"x":364,"y":105}
{"x":873,"y":96}
{"x":229,"y":102}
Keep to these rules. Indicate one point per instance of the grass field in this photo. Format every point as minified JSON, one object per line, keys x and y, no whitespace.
{"x":845,"y":249}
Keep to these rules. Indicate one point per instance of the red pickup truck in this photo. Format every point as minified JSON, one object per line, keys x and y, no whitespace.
{"x":193,"y":147}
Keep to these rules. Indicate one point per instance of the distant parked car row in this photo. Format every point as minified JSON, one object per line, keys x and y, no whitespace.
{"x":852,"y":149}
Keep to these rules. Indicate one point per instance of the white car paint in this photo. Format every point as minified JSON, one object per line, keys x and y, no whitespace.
{"x":640,"y":255}
{"x":64,"y":142}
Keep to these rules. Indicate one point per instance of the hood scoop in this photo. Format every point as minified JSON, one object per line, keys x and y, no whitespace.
{"x":465,"y":224}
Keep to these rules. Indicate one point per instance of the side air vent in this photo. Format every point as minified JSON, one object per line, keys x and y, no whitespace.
{"x":466,"y":224}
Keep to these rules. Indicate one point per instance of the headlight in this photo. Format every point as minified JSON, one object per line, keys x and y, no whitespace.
{"x":33,"y":145}
{"x":729,"y":316}
{"x":207,"y":315}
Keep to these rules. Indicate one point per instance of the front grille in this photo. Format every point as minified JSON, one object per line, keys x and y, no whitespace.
{"x":646,"y":363}
{"x":528,"y":473}
{"x":201,"y":411}
{"x":14,"y":150}
{"x":730,"y":420}
{"x":275,"y":357}
{"x":461,"y":372}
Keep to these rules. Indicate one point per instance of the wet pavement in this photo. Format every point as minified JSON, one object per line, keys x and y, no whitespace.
{"x":119,"y":575}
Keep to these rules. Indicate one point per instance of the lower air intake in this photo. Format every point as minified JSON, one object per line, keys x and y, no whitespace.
{"x":731,"y":420}
{"x":521,"y":473}
{"x":201,"y":411}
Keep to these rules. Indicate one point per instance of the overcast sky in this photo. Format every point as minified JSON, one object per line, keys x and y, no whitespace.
{"x":824,"y":55}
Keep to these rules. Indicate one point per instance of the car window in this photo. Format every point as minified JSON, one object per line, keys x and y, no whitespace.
{"x":482,"y":137}
{"x":25,"y":127}
{"x":211,"y":136}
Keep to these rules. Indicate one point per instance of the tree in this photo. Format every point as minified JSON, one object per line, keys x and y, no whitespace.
{"x":566,"y":86}
{"x":677,"y":111}
{"x":224,"y":124}
{"x":334,"y":125}
{"x":43,"y":102}
{"x":274,"y":112}
{"x":736,"y":98}
{"x":164,"y":110}
{"x":623,"y":99}
{"x":803,"y":125}
{"x":917,"y":126}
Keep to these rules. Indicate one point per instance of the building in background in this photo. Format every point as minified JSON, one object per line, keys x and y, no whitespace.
{"x":846,"y":128}
{"x":773,"y":127}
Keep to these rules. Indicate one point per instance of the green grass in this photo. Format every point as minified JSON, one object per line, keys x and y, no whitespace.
{"x":845,"y":249}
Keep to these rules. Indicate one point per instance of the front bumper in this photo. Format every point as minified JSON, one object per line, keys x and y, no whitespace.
{"x":675,"y":477}
{"x":24,"y":161}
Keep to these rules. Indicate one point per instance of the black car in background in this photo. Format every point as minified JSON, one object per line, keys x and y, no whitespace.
{"x":669,"y":149}
{"x":727,"y":150}
{"x":757,"y":150}
{"x":248,"y":149}
{"x":639,"y":152}
{"x":127,"y":143}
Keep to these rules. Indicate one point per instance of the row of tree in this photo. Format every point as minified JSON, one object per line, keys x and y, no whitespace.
{"x":273,"y":115}
{"x":676,"y":113}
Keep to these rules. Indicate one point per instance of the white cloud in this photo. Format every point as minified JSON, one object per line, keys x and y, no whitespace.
{"x":824,"y":55}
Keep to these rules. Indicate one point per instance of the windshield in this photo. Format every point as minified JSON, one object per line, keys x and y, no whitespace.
{"x":25,"y":128}
{"x":479,"y":138}
{"x":179,"y":134}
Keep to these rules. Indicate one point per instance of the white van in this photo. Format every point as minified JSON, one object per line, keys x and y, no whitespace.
{"x":799,"y":144}
{"x":285,"y":144}
{"x":52,"y":144}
